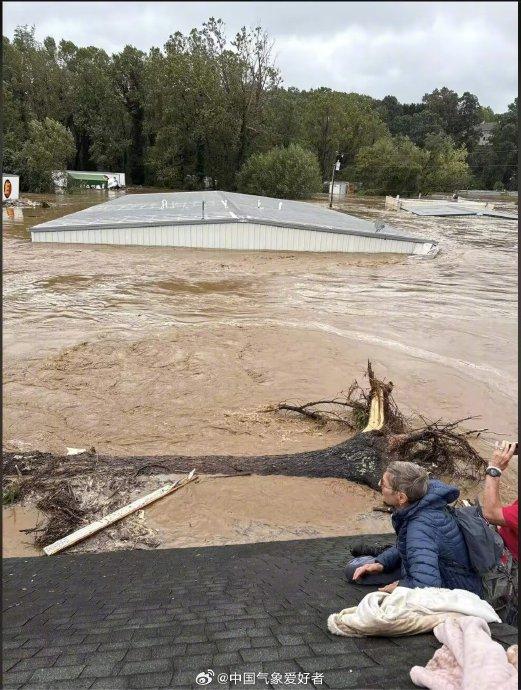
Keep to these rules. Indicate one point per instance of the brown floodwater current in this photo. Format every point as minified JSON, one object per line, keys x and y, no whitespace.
{"x":164,"y":350}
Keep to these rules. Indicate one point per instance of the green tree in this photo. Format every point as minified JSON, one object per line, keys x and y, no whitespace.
{"x":445,"y":169}
{"x":484,"y":165}
{"x":495,"y":163}
{"x":487,"y":114}
{"x":203,"y":104}
{"x":504,"y":142}
{"x":286,"y":173}
{"x":97,"y":119}
{"x":50,"y":147}
{"x":392,"y":165}
{"x":211,"y":95}
{"x":128,"y":74}
{"x":459,"y":115}
{"x":32,"y":88}
{"x":283,"y":118}
{"x":469,"y":117}
{"x":422,"y":124}
{"x":444,"y":103}
{"x":343,"y":122}
{"x":389,"y":109}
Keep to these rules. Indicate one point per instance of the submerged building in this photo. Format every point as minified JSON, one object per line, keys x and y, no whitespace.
{"x":96,"y":180}
{"x":225,"y":220}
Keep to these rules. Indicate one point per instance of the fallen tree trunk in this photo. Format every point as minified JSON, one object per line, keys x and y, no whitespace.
{"x":386,"y":436}
{"x":358,"y":459}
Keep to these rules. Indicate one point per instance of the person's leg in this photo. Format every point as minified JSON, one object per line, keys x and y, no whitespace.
{"x":379,"y":579}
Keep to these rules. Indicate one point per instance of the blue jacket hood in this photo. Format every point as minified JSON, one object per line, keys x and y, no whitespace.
{"x":430,"y":546}
{"x":438,"y":495}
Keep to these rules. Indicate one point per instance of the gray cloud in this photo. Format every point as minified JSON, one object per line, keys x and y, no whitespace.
{"x":378,"y":48}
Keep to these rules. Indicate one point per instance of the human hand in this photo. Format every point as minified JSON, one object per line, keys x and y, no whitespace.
{"x":366,"y":569}
{"x":502,"y":455}
{"x":389,"y":588}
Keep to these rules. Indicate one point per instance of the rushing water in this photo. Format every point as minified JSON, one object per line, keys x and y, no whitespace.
{"x":444,"y":329}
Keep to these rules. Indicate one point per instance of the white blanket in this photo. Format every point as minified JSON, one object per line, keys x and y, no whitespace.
{"x":408,"y":612}
{"x":468,"y":660}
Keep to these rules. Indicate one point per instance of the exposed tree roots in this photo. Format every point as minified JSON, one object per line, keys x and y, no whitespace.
{"x":383,"y":435}
{"x":64,"y":513}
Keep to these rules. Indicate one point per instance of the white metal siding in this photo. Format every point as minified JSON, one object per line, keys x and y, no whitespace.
{"x":246,"y":236}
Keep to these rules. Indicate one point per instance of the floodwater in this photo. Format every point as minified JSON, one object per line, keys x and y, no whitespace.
{"x":240,"y":510}
{"x":161,"y":350}
{"x":16,"y":541}
{"x":230,"y":510}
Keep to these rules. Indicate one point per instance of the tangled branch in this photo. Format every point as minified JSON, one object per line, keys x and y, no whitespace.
{"x":442,"y":447}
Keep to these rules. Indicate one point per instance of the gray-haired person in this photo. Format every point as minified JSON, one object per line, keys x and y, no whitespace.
{"x":430,"y":549}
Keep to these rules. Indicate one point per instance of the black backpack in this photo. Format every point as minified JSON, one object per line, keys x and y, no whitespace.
{"x":484,"y":544}
{"x":489,"y":558}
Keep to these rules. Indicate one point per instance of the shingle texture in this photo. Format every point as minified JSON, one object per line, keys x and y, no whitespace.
{"x":155,"y":619}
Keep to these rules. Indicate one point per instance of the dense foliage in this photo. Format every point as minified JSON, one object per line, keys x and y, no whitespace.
{"x":287,"y":173}
{"x":195,"y":111}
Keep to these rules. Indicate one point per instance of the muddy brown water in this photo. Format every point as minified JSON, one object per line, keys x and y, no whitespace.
{"x":16,"y":519}
{"x":233,"y":510}
{"x":163,"y":350}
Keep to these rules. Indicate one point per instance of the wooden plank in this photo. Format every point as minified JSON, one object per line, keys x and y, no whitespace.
{"x":110,"y":519}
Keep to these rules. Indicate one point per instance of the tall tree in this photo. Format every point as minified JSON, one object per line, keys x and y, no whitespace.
{"x":342,"y":122}
{"x":469,"y":117}
{"x":128,"y":73}
{"x":445,"y":169}
{"x":444,"y":103}
{"x":49,"y":147}
{"x":391,"y":166}
{"x":459,"y":115}
{"x":505,"y":143}
{"x":283,"y":118}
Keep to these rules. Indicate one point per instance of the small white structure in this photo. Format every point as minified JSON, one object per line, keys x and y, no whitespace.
{"x":12,"y":214}
{"x":10,"y":187}
{"x":340,"y":188}
{"x":226,"y":220}
{"x":96,"y":179}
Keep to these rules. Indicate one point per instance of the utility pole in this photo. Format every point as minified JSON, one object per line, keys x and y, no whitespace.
{"x":336,"y":167}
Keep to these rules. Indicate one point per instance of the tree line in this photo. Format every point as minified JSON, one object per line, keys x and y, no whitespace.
{"x":206,"y":110}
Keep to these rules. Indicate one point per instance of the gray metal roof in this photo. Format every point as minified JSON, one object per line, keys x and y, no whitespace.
{"x":184,"y":208}
{"x":452,"y":208}
{"x":437,"y":208}
{"x":500,"y":214}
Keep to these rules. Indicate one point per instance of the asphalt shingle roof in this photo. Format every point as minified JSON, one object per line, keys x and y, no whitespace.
{"x":155,"y":619}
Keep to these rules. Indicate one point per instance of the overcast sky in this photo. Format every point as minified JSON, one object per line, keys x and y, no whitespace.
{"x":376,"y":48}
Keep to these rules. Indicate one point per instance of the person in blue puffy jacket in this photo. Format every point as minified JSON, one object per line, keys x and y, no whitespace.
{"x":430,"y":548}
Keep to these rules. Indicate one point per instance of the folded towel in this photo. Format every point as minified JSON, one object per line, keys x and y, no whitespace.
{"x":408,"y":612}
{"x":468,"y":660}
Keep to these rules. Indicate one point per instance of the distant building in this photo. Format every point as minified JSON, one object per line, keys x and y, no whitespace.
{"x":485,"y":131}
{"x":97,"y":180}
{"x":340,"y":188}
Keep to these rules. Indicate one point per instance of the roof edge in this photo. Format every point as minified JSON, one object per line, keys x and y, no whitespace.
{"x":238,"y":221}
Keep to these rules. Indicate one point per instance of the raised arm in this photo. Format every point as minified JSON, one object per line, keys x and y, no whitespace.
{"x":492,"y":507}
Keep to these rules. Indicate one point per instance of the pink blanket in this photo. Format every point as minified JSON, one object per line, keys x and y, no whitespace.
{"x":468,"y":660}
